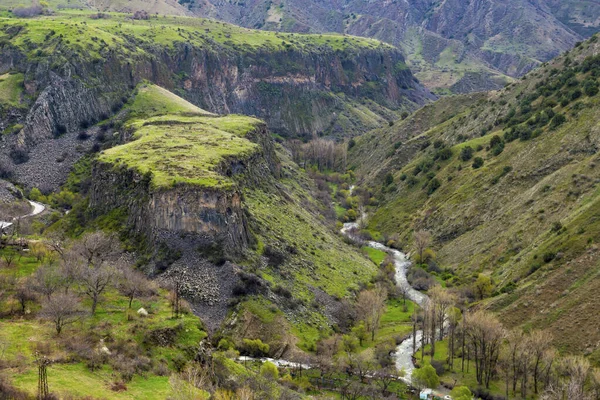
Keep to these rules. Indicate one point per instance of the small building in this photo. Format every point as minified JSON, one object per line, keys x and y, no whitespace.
{"x":429,"y":394}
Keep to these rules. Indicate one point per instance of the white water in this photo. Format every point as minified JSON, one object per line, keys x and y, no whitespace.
{"x":404,"y":351}
{"x":38,"y":208}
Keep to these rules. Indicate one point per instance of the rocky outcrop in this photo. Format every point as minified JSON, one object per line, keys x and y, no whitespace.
{"x":523,"y":33}
{"x":185,"y":217}
{"x":298,"y":91}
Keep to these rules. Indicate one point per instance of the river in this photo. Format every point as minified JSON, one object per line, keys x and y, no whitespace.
{"x":404,"y":351}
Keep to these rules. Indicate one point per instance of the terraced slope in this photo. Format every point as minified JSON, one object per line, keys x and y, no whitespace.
{"x":520,"y":205}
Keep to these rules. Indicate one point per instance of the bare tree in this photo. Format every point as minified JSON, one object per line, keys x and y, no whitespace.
{"x":454,"y":317}
{"x":133,"y":284}
{"x":24,"y":294}
{"x":422,"y":241}
{"x":485,"y":335}
{"x":540,"y":343}
{"x":94,"y":280}
{"x":96,"y":274}
{"x":573,"y":373}
{"x":96,"y":248}
{"x":46,"y":280}
{"x":56,"y":241}
{"x":69,"y":270}
{"x":370,"y":306}
{"x":442,"y":300}
{"x":61,"y":309}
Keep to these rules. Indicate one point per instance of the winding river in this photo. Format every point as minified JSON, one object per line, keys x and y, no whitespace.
{"x":404,"y":351}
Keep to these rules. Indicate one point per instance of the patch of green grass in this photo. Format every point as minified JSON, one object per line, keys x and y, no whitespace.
{"x":376,"y":255}
{"x":78,"y":380}
{"x":395,"y":322}
{"x":11,"y":87}
{"x":177,"y":148}
{"x":73,"y":29}
{"x":153,"y":100}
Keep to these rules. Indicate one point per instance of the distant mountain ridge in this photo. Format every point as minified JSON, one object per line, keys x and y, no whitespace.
{"x":452,"y":45}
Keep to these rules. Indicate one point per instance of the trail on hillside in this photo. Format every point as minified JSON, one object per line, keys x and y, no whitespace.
{"x":38,"y":208}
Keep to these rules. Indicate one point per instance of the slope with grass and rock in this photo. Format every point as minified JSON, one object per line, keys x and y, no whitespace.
{"x":506,"y":182}
{"x":452,"y":46}
{"x":215,"y":205}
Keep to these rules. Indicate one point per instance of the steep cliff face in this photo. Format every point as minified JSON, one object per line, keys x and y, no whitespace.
{"x":446,"y":39}
{"x":181,"y":176}
{"x":203,"y":216}
{"x":77,"y":71}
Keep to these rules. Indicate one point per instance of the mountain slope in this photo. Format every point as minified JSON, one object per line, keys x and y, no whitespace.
{"x":65,"y":73}
{"x":237,"y":217}
{"x":457,"y":46}
{"x":525,"y":212}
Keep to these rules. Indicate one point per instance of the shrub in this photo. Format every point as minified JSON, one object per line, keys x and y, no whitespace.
{"x":60,"y":130}
{"x":558,"y":120}
{"x":438,"y":366}
{"x":495,"y":140}
{"x":498,"y":149}
{"x":433,"y":185}
{"x":477,"y":162}
{"x":83,"y":135}
{"x":444,"y":154}
{"x":27,"y":12}
{"x":6,"y":171}
{"x":466,"y":153}
{"x":19,"y":156}
{"x":389,"y":179}
{"x":269,"y":370}
{"x":254,"y":348}
{"x":426,"y":377}
{"x":549,"y":256}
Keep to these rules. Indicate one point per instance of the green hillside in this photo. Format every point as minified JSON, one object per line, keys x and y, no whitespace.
{"x":507,"y":184}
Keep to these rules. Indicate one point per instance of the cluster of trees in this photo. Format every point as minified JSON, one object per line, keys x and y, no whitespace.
{"x":86,"y":270}
{"x":526,"y":361}
{"x":323,"y":154}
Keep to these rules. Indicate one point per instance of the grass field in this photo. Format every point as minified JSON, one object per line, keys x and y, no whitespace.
{"x":11,"y":87}
{"x":178,"y":142}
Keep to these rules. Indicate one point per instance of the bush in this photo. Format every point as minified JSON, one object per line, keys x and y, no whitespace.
{"x":27,"y":12}
{"x":466,"y":153}
{"x":477,"y":162}
{"x":389,"y":179}
{"x":83,"y":135}
{"x":444,"y":154}
{"x":495,"y":140}
{"x":6,"y":171}
{"x":549,"y":256}
{"x":269,"y":370}
{"x":19,"y":156}
{"x":426,"y":377}
{"x":254,"y":348}
{"x":59,"y":130}
{"x":433,"y":185}
{"x":438,"y":366}
{"x":558,"y":120}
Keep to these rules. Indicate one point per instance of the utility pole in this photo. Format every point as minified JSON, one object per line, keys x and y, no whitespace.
{"x":42,"y":363}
